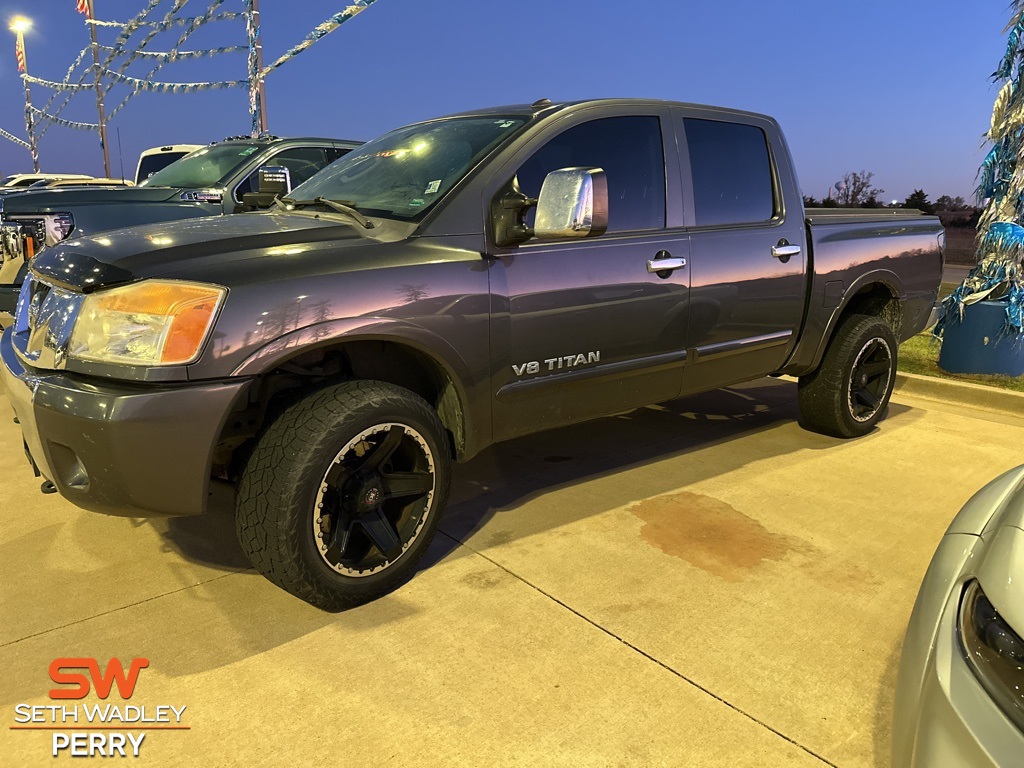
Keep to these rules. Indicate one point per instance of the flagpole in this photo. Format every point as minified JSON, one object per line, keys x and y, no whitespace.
{"x":90,"y":10}
{"x":18,"y":26}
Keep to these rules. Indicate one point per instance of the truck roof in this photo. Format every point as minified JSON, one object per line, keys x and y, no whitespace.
{"x":276,"y":139}
{"x":546,"y":107}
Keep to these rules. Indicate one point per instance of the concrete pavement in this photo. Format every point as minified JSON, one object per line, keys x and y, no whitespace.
{"x":701,"y":583}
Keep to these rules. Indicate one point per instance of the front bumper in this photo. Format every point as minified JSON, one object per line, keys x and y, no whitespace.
{"x":942,"y":714}
{"x":116,"y":448}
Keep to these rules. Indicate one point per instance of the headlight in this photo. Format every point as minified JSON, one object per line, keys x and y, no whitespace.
{"x":994,"y":652}
{"x":153,"y":322}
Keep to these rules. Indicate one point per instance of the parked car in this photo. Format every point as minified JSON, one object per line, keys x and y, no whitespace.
{"x":960,"y":688}
{"x":212,"y":180}
{"x":158,"y":158}
{"x":19,"y":180}
{"x":451,"y":284}
{"x":94,"y":182}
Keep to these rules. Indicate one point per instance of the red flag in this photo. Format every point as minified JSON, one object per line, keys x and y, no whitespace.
{"x":19,"y":52}
{"x":85,"y":6}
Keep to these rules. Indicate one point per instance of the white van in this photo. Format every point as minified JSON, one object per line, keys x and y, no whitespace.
{"x":158,"y":158}
{"x":28,"y":179}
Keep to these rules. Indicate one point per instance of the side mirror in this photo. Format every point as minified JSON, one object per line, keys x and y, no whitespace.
{"x":274,"y":180}
{"x":573,"y":202}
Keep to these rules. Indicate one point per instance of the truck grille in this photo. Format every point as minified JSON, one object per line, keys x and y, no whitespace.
{"x":43,"y":323}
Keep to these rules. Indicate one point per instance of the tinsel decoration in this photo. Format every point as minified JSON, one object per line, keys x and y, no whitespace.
{"x":999,"y":274}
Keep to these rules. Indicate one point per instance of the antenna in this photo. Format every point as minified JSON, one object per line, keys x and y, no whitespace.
{"x":120,"y":157}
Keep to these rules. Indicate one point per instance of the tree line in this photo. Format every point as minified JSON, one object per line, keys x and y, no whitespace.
{"x":855,"y":190}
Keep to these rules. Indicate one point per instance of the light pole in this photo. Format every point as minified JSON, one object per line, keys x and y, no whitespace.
{"x":88,"y":7}
{"x":19,"y":25}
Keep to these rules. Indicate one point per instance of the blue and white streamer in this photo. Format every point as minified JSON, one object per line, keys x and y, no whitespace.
{"x":321,"y":31}
{"x":210,"y":11}
{"x":15,"y":139}
{"x":128,"y":29}
{"x":67,"y":94}
{"x":252,"y":30}
{"x":171,"y":56}
{"x":178,"y":5}
{"x":64,"y":123}
{"x":165,"y":25}
{"x":149,"y":86}
{"x":55,"y":85}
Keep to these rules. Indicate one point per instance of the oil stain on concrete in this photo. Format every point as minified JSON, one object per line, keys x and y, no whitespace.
{"x":710,"y":534}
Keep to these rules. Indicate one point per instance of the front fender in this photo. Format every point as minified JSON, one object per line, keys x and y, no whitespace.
{"x":474,"y":405}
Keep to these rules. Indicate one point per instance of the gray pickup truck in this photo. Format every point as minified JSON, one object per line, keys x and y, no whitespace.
{"x":451,"y":284}
{"x":210,"y":181}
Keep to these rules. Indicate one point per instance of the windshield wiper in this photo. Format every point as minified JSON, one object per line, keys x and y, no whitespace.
{"x":341,"y":206}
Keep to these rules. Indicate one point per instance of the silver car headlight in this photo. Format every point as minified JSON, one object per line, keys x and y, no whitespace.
{"x":994,"y":652}
{"x":152,"y":322}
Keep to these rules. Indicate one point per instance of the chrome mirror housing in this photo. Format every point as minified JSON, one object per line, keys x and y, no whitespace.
{"x":573,"y":202}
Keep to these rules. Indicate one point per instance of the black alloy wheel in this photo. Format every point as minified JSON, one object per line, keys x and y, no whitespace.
{"x":869,"y":380}
{"x":373,"y":500}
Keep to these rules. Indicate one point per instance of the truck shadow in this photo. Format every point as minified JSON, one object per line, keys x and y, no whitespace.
{"x":506,"y":475}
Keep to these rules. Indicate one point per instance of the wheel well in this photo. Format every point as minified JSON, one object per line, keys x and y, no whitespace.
{"x":876,"y":299}
{"x":292,"y":379}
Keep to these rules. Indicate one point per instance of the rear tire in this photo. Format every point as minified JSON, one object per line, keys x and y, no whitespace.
{"x":849,"y":392}
{"x":343,"y":493}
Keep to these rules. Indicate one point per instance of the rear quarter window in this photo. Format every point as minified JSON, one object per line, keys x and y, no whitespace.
{"x":732,"y":174}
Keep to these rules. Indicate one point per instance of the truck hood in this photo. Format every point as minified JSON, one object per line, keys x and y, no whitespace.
{"x":177,"y":247}
{"x":67,"y":198}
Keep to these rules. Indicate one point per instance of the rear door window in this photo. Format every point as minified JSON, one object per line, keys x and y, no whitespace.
{"x":732,"y":174}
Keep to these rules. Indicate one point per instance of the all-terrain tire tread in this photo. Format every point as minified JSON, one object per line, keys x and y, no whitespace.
{"x":280,"y":465}
{"x":822,"y":393}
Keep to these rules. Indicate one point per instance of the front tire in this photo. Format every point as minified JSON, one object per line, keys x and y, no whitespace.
{"x":849,"y":392}
{"x":343,"y":493}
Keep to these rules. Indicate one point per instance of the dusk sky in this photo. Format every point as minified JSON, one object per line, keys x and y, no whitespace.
{"x":896,"y":87}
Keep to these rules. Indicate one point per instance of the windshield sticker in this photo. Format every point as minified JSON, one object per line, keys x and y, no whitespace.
{"x":506,"y":123}
{"x":432,"y":187}
{"x":416,"y":203}
{"x":247,"y":151}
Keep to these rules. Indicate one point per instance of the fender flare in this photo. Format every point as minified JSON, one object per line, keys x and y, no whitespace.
{"x":332,"y":333}
{"x":885,"y":277}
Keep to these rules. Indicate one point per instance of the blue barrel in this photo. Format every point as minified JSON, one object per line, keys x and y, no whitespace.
{"x":979,"y":344}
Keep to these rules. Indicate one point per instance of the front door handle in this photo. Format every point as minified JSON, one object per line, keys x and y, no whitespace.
{"x":663,"y":261}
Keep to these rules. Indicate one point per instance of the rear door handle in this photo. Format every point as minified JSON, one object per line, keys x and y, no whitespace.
{"x":665,"y":262}
{"x":784,"y":252}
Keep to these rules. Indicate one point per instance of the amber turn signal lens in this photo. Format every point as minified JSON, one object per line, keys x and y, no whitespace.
{"x":153,"y":322}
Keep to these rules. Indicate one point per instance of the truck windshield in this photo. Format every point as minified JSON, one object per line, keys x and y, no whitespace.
{"x":207,"y":167}
{"x":403,"y":173}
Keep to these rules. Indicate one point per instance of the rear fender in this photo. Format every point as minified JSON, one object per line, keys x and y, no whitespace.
{"x":809,"y":352}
